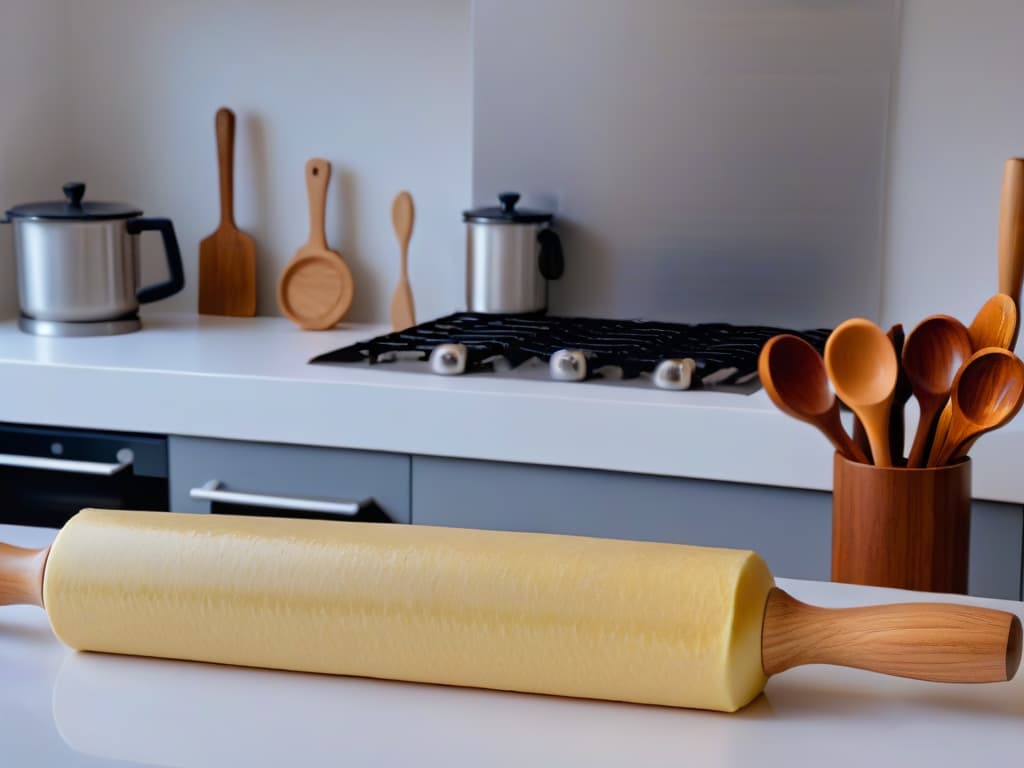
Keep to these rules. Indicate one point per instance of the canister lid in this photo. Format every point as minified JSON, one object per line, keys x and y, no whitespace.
{"x":73,"y":208}
{"x":507,"y":212}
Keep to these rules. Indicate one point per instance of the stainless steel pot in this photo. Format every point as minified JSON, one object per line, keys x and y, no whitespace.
{"x":510,"y":256}
{"x":78,"y":262}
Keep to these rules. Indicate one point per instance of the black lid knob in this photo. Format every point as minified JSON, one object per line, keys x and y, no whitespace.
{"x":508,"y":201}
{"x":74,"y":191}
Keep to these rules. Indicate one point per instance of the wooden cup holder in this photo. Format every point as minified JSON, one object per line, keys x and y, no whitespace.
{"x":901,"y":528}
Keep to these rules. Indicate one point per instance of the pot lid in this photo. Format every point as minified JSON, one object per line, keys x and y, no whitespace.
{"x":73,"y":208}
{"x":507,"y":212}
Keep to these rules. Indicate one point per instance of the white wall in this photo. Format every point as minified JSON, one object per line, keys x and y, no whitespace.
{"x":33,"y":127}
{"x":381,"y":89}
{"x":959,"y":113}
{"x":708,"y":159}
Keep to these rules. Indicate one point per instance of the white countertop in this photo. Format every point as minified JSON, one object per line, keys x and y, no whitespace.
{"x":248,"y":379}
{"x":58,"y":707}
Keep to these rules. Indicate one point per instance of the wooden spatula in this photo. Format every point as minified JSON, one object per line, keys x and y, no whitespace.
{"x":227,"y":258}
{"x":316,"y":289}
{"x":403,"y":311}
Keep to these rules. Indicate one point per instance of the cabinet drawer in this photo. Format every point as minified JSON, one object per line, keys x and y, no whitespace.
{"x":289,"y":478}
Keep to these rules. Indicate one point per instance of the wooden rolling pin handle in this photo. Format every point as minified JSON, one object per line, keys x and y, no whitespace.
{"x":942,"y":643}
{"x":21,"y":575}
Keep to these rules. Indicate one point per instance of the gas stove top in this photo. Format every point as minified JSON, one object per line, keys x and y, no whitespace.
{"x":635,"y":352}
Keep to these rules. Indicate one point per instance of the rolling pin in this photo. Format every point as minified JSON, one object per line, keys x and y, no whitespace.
{"x":596,"y":618}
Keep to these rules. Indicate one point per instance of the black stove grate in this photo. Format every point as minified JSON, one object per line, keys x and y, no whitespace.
{"x":633,"y":347}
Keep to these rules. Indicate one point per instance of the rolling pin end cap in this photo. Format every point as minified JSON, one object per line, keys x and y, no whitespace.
{"x":1013,"y":649}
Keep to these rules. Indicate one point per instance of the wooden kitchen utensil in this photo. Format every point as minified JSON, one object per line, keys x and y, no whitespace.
{"x":316,"y":288}
{"x":996,"y":324}
{"x":987,"y":393}
{"x":227,"y":258}
{"x":568,"y":615}
{"x":403,"y":312}
{"x":793,"y":375}
{"x":1010,"y":243}
{"x":900,"y":396}
{"x":862,"y":365}
{"x":932,"y":355}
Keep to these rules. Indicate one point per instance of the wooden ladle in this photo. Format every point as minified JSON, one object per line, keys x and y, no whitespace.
{"x":793,"y":375}
{"x":987,"y":393}
{"x":932,"y":355}
{"x":995,"y":325}
{"x":862,"y":364}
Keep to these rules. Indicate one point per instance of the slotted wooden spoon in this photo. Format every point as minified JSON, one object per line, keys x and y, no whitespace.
{"x":227,"y":258}
{"x":316,"y":289}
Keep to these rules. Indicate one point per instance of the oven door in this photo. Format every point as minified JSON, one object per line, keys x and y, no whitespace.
{"x":47,"y":475}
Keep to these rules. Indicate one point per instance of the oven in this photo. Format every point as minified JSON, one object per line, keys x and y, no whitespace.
{"x":47,"y":475}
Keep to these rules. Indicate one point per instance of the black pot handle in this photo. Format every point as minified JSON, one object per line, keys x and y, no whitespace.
{"x":552,"y":262}
{"x":177,"y":279}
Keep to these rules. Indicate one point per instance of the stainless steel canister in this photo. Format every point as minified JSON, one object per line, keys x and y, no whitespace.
{"x":77,"y":261}
{"x":510,"y":256}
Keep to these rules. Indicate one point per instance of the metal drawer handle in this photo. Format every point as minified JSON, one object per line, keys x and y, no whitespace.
{"x":63,"y":465}
{"x":214,"y":491}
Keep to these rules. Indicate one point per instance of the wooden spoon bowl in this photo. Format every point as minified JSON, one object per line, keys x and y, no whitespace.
{"x":794,"y":376}
{"x":932,"y":355}
{"x":862,"y":365}
{"x":995,"y":325}
{"x":988,"y":393}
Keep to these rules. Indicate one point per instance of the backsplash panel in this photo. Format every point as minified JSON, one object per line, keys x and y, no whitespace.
{"x":708,"y":160}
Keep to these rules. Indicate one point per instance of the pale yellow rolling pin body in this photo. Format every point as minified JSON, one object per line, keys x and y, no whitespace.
{"x":632,"y":621}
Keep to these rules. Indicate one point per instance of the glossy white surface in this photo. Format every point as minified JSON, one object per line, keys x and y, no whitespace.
{"x":248,"y":379}
{"x":58,"y":707}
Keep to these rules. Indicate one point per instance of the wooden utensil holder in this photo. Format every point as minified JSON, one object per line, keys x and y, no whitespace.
{"x":901,"y":528}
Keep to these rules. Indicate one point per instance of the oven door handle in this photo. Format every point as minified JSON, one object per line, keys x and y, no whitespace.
{"x":214,"y":491}
{"x":63,"y":465}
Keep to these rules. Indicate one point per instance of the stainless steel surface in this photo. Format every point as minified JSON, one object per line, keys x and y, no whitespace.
{"x":70,"y":329}
{"x":502,"y":268}
{"x":568,"y":365}
{"x":448,"y":359}
{"x":675,"y":373}
{"x":215,"y":492}
{"x":78,"y":271}
{"x":62,"y":465}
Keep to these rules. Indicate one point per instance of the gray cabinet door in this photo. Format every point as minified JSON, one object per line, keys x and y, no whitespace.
{"x":293,"y":474}
{"x":792,"y":529}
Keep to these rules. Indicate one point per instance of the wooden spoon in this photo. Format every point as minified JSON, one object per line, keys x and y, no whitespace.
{"x":934,"y":352}
{"x":995,"y":325}
{"x":794,"y":377}
{"x":1010,"y":242}
{"x":987,"y":393}
{"x":227,"y":258}
{"x":862,"y":364}
{"x":403,"y":311}
{"x":315,"y":290}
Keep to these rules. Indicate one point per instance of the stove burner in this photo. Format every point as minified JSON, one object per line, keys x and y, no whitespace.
{"x":577,"y":348}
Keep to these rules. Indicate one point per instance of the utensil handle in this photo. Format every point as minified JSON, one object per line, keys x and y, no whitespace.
{"x":225,"y":128}
{"x":176,"y":271}
{"x":318,"y":174}
{"x":939,"y":642}
{"x":21,"y":575}
{"x":1011,"y":229}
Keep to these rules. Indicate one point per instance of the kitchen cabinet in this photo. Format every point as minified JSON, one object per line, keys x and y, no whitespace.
{"x":791,"y":528}
{"x":296,"y":477}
